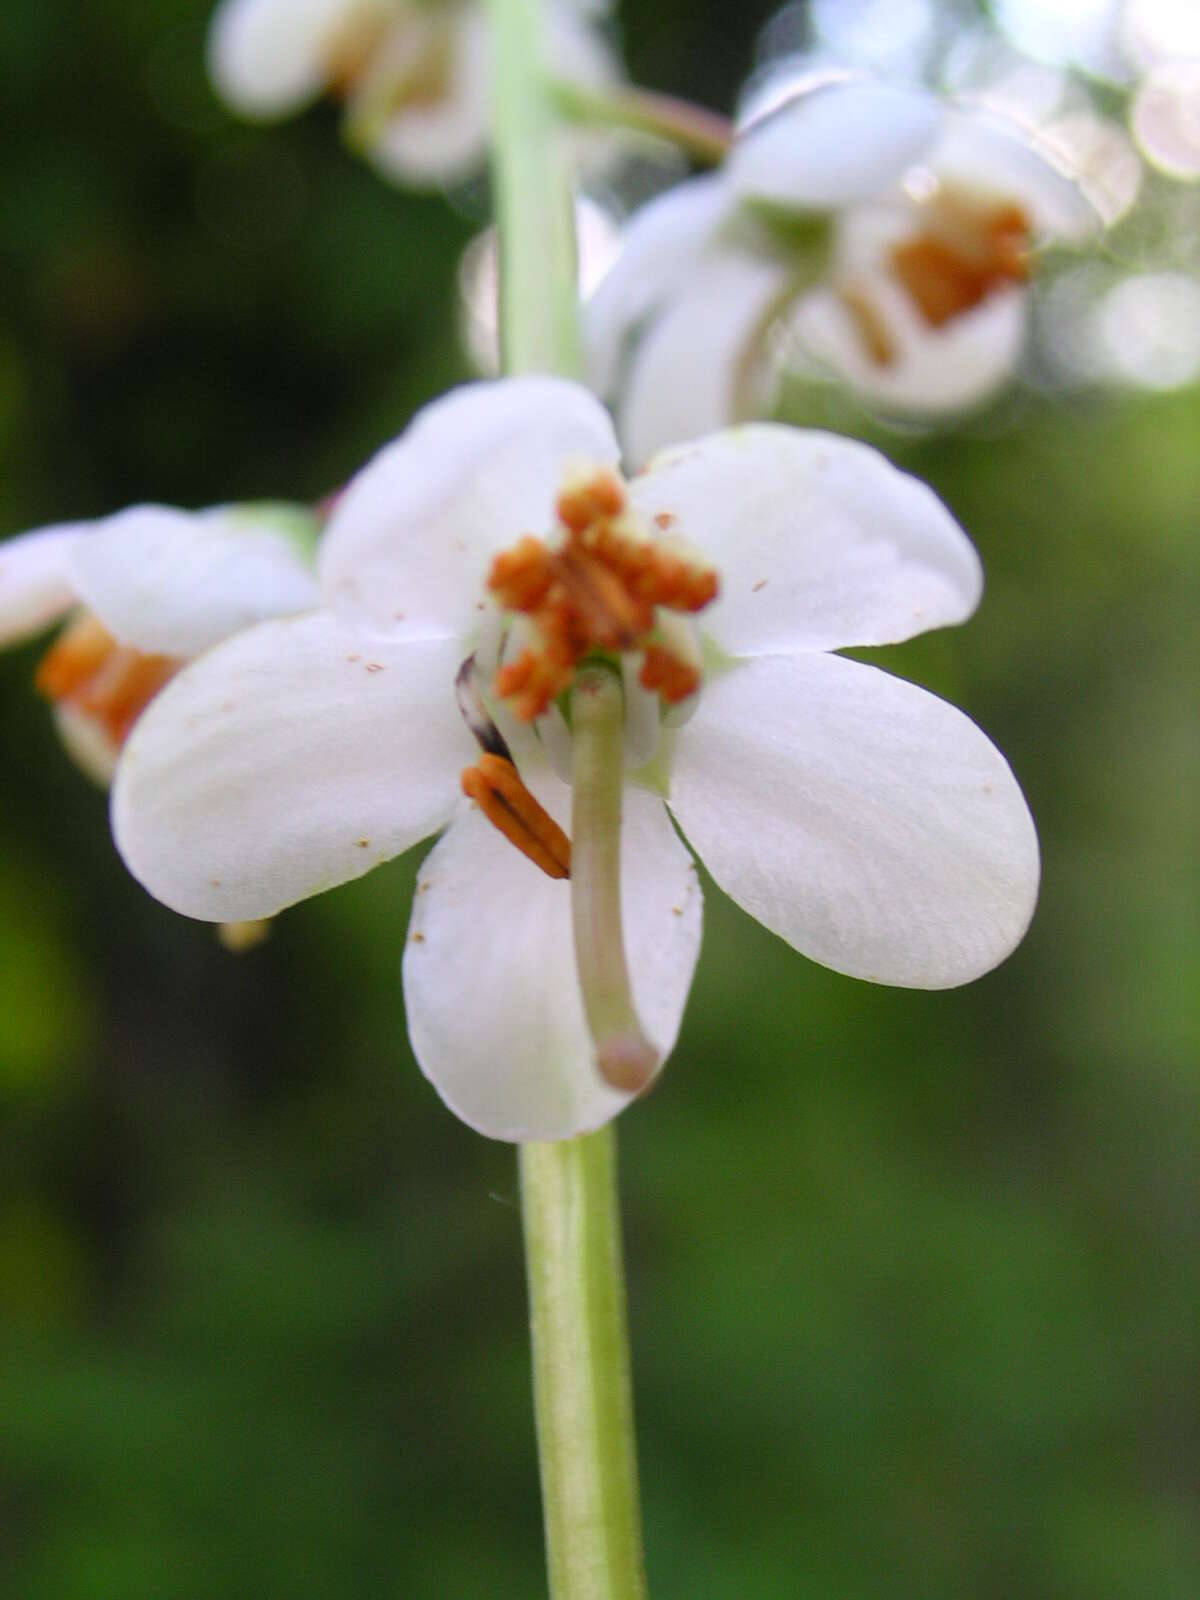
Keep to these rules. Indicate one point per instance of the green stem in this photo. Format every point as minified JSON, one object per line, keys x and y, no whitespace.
{"x":702,"y":134}
{"x":539,"y":306}
{"x":581,"y":1369}
{"x":582,"y":1389}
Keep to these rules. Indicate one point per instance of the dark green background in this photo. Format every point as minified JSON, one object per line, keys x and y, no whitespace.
{"x":914,"y":1277}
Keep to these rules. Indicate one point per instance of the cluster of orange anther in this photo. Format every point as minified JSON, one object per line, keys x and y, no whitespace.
{"x":496,"y":788}
{"x":965,"y":253}
{"x":87,"y":670}
{"x":598,"y":590}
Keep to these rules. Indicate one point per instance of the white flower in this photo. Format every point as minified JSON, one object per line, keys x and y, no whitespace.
{"x":415,"y":74}
{"x":869,"y":824}
{"x":914,"y":219}
{"x":149,"y":588}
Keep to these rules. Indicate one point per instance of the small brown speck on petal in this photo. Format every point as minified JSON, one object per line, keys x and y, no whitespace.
{"x":761,"y":584}
{"x":418,"y":938}
{"x":374,"y":666}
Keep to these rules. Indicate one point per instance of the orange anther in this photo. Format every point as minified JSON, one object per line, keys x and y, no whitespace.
{"x":964,"y":254}
{"x":496,"y":788}
{"x":111,"y":683}
{"x":598,"y":591}
{"x":673,"y":679}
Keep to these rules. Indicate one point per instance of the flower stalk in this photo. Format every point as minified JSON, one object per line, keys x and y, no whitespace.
{"x":582,"y":1391}
{"x":581,"y":1368}
{"x":703,"y":135}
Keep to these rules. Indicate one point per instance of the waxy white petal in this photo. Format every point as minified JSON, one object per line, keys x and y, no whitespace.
{"x":871,"y":825}
{"x":494,"y":1010}
{"x":435,"y":139}
{"x":36,"y":581}
{"x":270,"y":57}
{"x":694,"y":369}
{"x":411,"y":539}
{"x":834,"y":146}
{"x":954,"y":368}
{"x":984,"y":153}
{"x":819,"y":541}
{"x":177,"y":582}
{"x":661,"y":243}
{"x":292,"y":758}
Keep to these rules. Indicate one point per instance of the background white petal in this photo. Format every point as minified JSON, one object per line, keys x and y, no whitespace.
{"x":871,"y":825}
{"x":436,"y":139}
{"x":176,"y":582}
{"x":36,"y":583}
{"x":983,"y":152}
{"x":494,"y":1011}
{"x":294,"y":757}
{"x":657,"y":249}
{"x":269,"y":57}
{"x":933,"y":370}
{"x":411,"y":539}
{"x":694,"y":369}
{"x":819,"y":541}
{"x":834,"y":146}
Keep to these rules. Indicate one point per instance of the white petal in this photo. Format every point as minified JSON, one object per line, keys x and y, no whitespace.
{"x":985,"y":153}
{"x":36,"y":585}
{"x":431,"y":141}
{"x":833,"y":147}
{"x":819,"y":541}
{"x":88,"y":743}
{"x":657,"y":249}
{"x":270,"y":57}
{"x":933,"y":371}
{"x":871,"y":825}
{"x":494,"y":1011}
{"x":411,"y":539}
{"x":292,"y":758}
{"x":176,"y":582}
{"x":694,"y":369}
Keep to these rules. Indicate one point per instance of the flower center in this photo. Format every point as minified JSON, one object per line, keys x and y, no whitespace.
{"x":110,"y":684}
{"x":599,"y":588}
{"x":966,"y":251}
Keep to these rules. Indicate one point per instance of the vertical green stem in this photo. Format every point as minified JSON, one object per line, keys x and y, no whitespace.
{"x":581,"y":1369}
{"x":582,"y":1391}
{"x":539,"y":311}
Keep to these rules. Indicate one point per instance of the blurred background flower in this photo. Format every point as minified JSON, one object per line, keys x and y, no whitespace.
{"x":913,"y":1276}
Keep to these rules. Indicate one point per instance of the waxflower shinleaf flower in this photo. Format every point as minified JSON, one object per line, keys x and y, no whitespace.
{"x":143,"y":591}
{"x":414,"y":75}
{"x":868,"y":228}
{"x":489,"y":586}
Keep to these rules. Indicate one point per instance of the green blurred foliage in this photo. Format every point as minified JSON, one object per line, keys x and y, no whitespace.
{"x":914,"y":1278}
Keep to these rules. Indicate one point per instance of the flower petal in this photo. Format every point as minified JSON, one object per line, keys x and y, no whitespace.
{"x":871,"y":825}
{"x":177,"y":582}
{"x":291,"y":758}
{"x":698,"y":356}
{"x":494,"y":1010}
{"x":270,"y":57}
{"x":819,"y":541}
{"x":931,"y":371}
{"x":411,"y":539}
{"x":36,"y":583}
{"x":985,"y":152}
{"x":433,"y":138}
{"x":834,"y":146}
{"x":658,"y":248}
